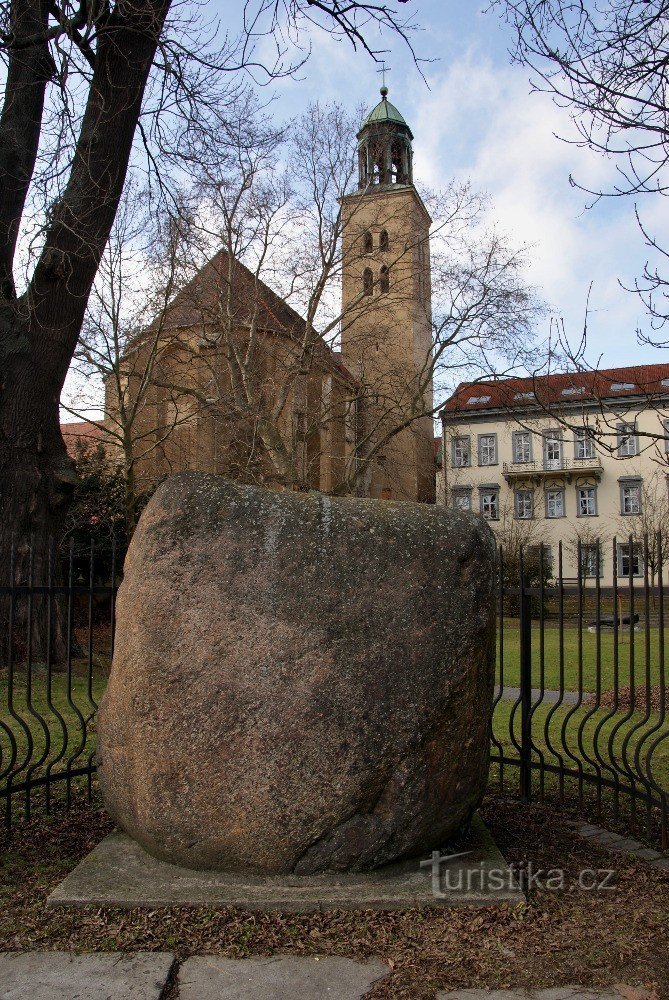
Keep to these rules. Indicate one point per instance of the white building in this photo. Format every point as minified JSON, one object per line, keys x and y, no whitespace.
{"x":568,"y":457}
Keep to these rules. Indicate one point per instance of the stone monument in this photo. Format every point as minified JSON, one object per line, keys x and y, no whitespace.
{"x":300,"y":683}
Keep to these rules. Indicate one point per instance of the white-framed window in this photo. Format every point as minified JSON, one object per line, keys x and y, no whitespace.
{"x":552,"y":450}
{"x":584,"y":444}
{"x":490,"y":504}
{"x":524,"y":504}
{"x":628,"y":445}
{"x":521,"y":447}
{"x":586,"y":501}
{"x":591,"y":561}
{"x":461,"y":451}
{"x":624,"y":560}
{"x":462,"y":498}
{"x":487,"y":449}
{"x":555,"y":503}
{"x":630,"y":498}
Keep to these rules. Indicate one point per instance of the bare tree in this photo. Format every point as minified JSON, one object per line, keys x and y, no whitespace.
{"x":605,"y":62}
{"x":81,"y":82}
{"x":521,"y":550}
{"x":122,"y":343}
{"x":588,"y":547}
{"x":88,"y":89}
{"x":650,"y":527}
{"x":515,"y":533}
{"x":271,"y":202}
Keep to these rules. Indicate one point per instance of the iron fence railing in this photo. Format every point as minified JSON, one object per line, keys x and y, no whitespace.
{"x":579,"y":714}
{"x":56,"y":643}
{"x":553,"y":466}
{"x":580,"y":710}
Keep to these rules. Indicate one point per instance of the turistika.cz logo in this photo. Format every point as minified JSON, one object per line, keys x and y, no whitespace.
{"x":524,"y":877}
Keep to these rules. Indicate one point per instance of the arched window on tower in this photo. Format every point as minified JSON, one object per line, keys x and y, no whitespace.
{"x":362,"y":167}
{"x":397,"y":173}
{"x":384,"y":281}
{"x":377,"y":152}
{"x":384,"y":243}
{"x":367,"y":281}
{"x":369,"y":243}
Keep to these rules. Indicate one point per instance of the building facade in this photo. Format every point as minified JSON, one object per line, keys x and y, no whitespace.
{"x":387,"y":338}
{"x":579,"y":459}
{"x":301,"y":415}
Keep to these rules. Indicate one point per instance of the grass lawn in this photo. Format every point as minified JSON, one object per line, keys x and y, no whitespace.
{"x":641,"y":661}
{"x":579,"y":730}
{"x":61,"y":725}
{"x":72,"y":712}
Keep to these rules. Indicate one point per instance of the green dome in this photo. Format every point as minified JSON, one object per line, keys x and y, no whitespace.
{"x":384,"y":112}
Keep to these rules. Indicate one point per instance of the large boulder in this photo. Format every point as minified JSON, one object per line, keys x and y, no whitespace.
{"x":300,"y":683}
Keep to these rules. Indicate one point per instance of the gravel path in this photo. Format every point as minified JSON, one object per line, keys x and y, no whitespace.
{"x":549,"y":697}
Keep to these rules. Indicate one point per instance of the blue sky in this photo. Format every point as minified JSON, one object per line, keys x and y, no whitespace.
{"x":476,"y":118}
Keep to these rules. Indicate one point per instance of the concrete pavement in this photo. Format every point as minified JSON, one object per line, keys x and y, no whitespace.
{"x":53,"y":975}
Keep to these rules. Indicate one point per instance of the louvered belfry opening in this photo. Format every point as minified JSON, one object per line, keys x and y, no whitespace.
{"x":385,"y":155}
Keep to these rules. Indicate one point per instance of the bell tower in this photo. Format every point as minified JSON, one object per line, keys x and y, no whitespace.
{"x":386,"y":306}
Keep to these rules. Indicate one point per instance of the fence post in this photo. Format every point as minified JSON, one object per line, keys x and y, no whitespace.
{"x":525,"y":689}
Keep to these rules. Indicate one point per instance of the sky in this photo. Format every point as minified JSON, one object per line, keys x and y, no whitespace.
{"x":474,"y":116}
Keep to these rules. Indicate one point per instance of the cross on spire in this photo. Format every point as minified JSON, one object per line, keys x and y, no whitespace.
{"x":384,"y":69}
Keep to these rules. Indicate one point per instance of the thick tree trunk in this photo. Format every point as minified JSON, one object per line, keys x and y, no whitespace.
{"x":36,"y":483}
{"x":39,"y":330}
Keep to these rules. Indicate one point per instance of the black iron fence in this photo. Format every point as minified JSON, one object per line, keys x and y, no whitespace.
{"x":580,"y":711}
{"x":580,"y":714}
{"x":56,"y":643}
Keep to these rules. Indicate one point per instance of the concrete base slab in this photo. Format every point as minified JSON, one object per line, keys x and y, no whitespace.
{"x":214,"y":978}
{"x":57,"y":975}
{"x":119,"y":873}
{"x":553,"y":993}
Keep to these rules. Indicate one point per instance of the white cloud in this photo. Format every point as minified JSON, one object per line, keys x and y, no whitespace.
{"x":480,"y":121}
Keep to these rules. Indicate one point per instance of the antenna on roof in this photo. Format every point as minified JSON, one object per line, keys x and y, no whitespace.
{"x":384,"y":69}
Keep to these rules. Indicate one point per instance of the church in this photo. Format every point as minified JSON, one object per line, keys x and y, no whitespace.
{"x":241,"y":385}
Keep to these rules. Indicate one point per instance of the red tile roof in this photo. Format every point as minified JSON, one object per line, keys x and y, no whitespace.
{"x":565,"y":387}
{"x":200,"y":301}
{"x":88,"y":434}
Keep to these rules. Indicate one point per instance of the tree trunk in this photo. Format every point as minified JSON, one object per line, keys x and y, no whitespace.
{"x":39,"y":330}
{"x":36,"y":483}
{"x":130,"y":497}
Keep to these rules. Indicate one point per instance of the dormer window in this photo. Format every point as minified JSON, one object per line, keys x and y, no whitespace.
{"x":367,"y":281}
{"x":384,"y":242}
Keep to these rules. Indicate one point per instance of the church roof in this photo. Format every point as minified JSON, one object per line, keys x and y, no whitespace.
{"x":198,"y":304}
{"x":384,"y":112}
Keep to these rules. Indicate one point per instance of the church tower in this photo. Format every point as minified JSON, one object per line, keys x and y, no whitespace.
{"x":386,"y":304}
